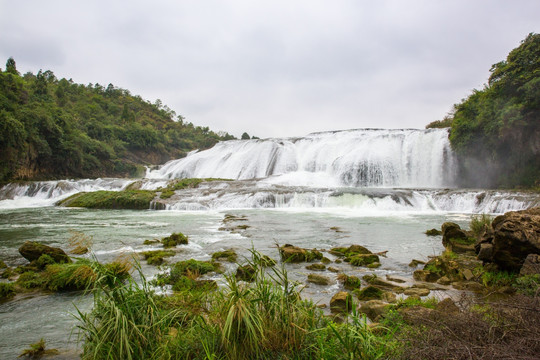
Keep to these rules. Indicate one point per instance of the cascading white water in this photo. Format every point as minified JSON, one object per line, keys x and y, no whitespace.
{"x":356,"y":158}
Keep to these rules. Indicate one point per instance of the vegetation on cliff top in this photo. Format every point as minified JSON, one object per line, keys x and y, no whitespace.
{"x":54,"y":128}
{"x":496,"y":131}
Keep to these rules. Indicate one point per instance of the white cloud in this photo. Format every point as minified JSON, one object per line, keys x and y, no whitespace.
{"x":275,"y":68}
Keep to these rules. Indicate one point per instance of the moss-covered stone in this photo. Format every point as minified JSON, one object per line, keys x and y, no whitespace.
{"x":228,"y":255}
{"x":341,"y":302}
{"x":316,"y":267}
{"x":157,"y":257}
{"x":246,"y":273}
{"x":7,"y":290}
{"x":369,"y":293}
{"x":318,"y":279}
{"x":2,"y":265}
{"x":363,"y":259}
{"x":349,"y":282}
{"x":433,"y":232}
{"x":126,"y":199}
{"x":294,"y":254}
{"x":32,"y":251}
{"x":174,"y":239}
{"x":151,"y":242}
{"x":191,"y":268}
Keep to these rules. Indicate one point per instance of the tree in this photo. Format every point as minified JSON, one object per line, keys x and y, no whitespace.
{"x":245,"y":136}
{"x":11,"y":67}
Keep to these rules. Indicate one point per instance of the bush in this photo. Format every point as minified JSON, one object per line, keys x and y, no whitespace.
{"x":479,"y":223}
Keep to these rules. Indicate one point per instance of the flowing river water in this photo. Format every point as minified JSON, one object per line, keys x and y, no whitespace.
{"x":378,"y":188}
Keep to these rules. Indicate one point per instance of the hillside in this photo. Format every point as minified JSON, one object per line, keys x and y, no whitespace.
{"x":54,"y":128}
{"x":496,"y":131}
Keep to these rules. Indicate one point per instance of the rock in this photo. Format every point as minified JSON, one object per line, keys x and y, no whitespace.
{"x":374,"y":265}
{"x":294,"y":254}
{"x":433,"y":232}
{"x":333,"y":269}
{"x":369,"y":293}
{"x":174,"y":239}
{"x":531,"y":266}
{"x":246,"y":273}
{"x":416,"y":292}
{"x":513,"y":237}
{"x":444,"y":281}
{"x":349,"y":251}
{"x":316,"y":267}
{"x":341,"y":302}
{"x":467,"y":274}
{"x":397,"y":279}
{"x":363,"y":259}
{"x":447,"y":306}
{"x":415,"y":263}
{"x":350,"y":282}
{"x":32,"y":251}
{"x":151,"y":242}
{"x":389,"y":297}
{"x":318,"y":279}
{"x":427,"y":285}
{"x":326,"y":260}
{"x":377,"y":281}
{"x":425,"y":275}
{"x":468,"y":285}
{"x":452,"y":230}
{"x":374,"y":309}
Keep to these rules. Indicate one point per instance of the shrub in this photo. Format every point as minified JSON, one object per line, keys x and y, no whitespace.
{"x":479,"y":223}
{"x":528,"y":284}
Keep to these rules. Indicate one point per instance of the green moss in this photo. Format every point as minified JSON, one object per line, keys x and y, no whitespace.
{"x":363,"y":259}
{"x":229,"y":255}
{"x":156,"y":257}
{"x":7,"y":290}
{"x":528,"y":284}
{"x":350,"y":282}
{"x":186,"y":284}
{"x":174,"y":239}
{"x":31,"y":280}
{"x":412,"y":301}
{"x":316,"y":267}
{"x":190,"y":267}
{"x":166,"y":194}
{"x":246,"y":273}
{"x":44,"y":260}
{"x":369,"y":293}
{"x":467,"y":241}
{"x":127,"y":199}
{"x":433,"y":232}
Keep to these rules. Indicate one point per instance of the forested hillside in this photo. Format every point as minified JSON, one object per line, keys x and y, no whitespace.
{"x":496,"y":131}
{"x":54,"y":128}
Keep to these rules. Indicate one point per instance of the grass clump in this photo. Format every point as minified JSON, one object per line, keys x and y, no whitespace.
{"x":174,"y":239}
{"x":31,"y":280}
{"x":7,"y":290}
{"x":38,"y":350}
{"x":528,"y":285}
{"x":479,"y":224}
{"x":498,"y":279}
{"x":412,"y":301}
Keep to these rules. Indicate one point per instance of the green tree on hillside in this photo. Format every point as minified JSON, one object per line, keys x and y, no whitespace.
{"x":496,"y":130}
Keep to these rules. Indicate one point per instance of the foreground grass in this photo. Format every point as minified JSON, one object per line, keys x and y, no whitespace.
{"x":267,"y":319}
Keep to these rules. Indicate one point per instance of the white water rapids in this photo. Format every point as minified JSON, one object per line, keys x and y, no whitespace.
{"x":365,"y":171}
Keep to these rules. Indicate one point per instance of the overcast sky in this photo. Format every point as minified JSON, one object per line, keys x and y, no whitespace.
{"x":274,"y":68}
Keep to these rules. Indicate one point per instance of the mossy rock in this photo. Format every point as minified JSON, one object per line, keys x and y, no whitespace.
{"x":157,"y":257}
{"x":318,"y":279}
{"x":414,"y":263}
{"x":8,"y":273}
{"x":192,"y":268}
{"x":7,"y":290}
{"x":326,"y":260}
{"x":151,"y":242}
{"x":43,"y":261}
{"x":126,"y":199}
{"x":294,"y":254}
{"x":3,"y":265}
{"x":341,"y":302}
{"x":228,"y":255}
{"x":349,"y":251}
{"x":350,"y":282}
{"x":374,"y":265}
{"x":369,"y":293}
{"x":31,"y":280}
{"x":32,"y":251}
{"x":316,"y":267}
{"x":378,"y":282}
{"x":363,"y":259}
{"x":246,"y":273}
{"x":433,"y":232}
{"x":174,"y":239}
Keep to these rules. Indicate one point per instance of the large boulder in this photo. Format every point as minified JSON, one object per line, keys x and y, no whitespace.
{"x":341,"y":302}
{"x":32,"y":251}
{"x":531,"y":266}
{"x":512,"y":237}
{"x":295,"y":254}
{"x":456,"y":239}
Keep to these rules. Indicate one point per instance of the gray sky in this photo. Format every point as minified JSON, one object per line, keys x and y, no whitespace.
{"x":274,"y":68}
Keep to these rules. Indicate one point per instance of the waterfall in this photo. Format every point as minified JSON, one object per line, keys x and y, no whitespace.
{"x":353,"y":158}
